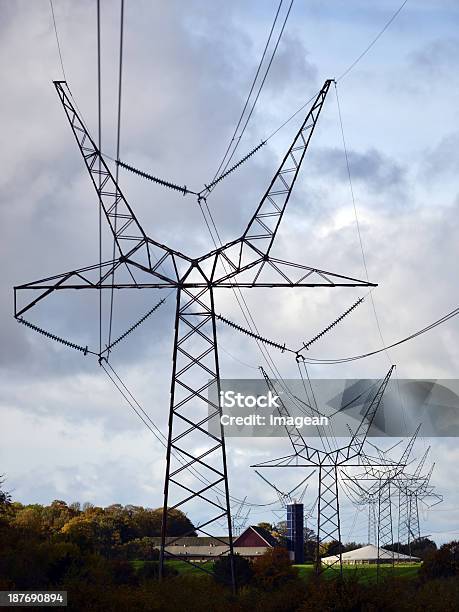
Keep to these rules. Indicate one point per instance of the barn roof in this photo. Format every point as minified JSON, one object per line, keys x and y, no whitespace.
{"x":264,"y":539}
{"x":263,"y":533}
{"x":193,"y":541}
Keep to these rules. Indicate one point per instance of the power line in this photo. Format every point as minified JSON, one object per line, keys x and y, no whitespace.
{"x":373,"y":305}
{"x":99,"y":131}
{"x":151,"y":425}
{"x":313,"y":97}
{"x":120,"y":83}
{"x":377,"y":37}
{"x":261,"y":86}
{"x":62,"y":64}
{"x":440,"y":321}
{"x":310,"y":403}
{"x":357,"y":223}
{"x":250,"y":92}
{"x":244,"y":363}
{"x":118,"y":139}
{"x":242,"y":303}
{"x":343,"y":74}
{"x":57,"y":40}
{"x":303,"y":106}
{"x":293,"y":115}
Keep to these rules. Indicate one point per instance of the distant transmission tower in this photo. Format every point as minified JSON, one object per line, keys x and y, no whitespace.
{"x":328,"y":463}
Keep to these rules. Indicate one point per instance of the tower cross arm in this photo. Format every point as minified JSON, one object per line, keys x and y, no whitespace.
{"x":97,"y":276}
{"x":267,"y":271}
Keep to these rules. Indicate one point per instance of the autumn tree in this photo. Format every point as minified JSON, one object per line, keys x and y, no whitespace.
{"x":266,"y":526}
{"x":273,"y":569}
{"x":310,"y":545}
{"x":242,"y":568}
{"x":441,"y":563}
{"x":5,"y":497}
{"x":147,"y":522}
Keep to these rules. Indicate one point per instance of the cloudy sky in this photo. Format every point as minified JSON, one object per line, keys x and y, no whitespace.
{"x":66,"y":432}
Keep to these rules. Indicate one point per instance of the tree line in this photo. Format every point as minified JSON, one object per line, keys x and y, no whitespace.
{"x":101,"y":557}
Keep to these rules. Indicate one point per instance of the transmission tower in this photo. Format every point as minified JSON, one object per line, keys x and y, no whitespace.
{"x":286,"y":498}
{"x":148,"y":264}
{"x":413,"y":490}
{"x":239,"y":516}
{"x":328,"y":464}
{"x":386,"y":480}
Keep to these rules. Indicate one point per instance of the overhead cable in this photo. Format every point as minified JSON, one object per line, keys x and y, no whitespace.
{"x":443,"y":319}
{"x":150,"y":424}
{"x":342,"y":75}
{"x":260,"y":88}
{"x":233,"y":138}
{"x":99,"y":144}
{"x":57,"y":39}
{"x":117,"y":169}
{"x":377,"y":37}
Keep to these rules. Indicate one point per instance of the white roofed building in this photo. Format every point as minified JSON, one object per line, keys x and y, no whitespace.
{"x":370,"y":554}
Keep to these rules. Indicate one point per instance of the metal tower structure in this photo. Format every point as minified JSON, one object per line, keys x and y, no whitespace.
{"x":328,"y":464}
{"x":288,"y":497}
{"x":380,"y":516}
{"x":294,"y":506}
{"x":408,"y":511}
{"x":239,"y":516}
{"x":414,"y":489}
{"x":386,"y":482}
{"x":145,"y":263}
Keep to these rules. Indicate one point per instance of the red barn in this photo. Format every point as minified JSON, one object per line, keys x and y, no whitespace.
{"x":253,"y":542}
{"x":255,"y":537}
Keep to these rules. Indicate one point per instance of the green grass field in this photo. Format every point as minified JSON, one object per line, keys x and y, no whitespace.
{"x":364,"y":573}
{"x":182,"y":567}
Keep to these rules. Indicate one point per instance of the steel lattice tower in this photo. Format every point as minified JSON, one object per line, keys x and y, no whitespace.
{"x":191,"y":474}
{"x":328,"y":464}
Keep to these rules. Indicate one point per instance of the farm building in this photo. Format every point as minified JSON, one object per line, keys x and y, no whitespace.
{"x":253,"y":542}
{"x":369,"y":554}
